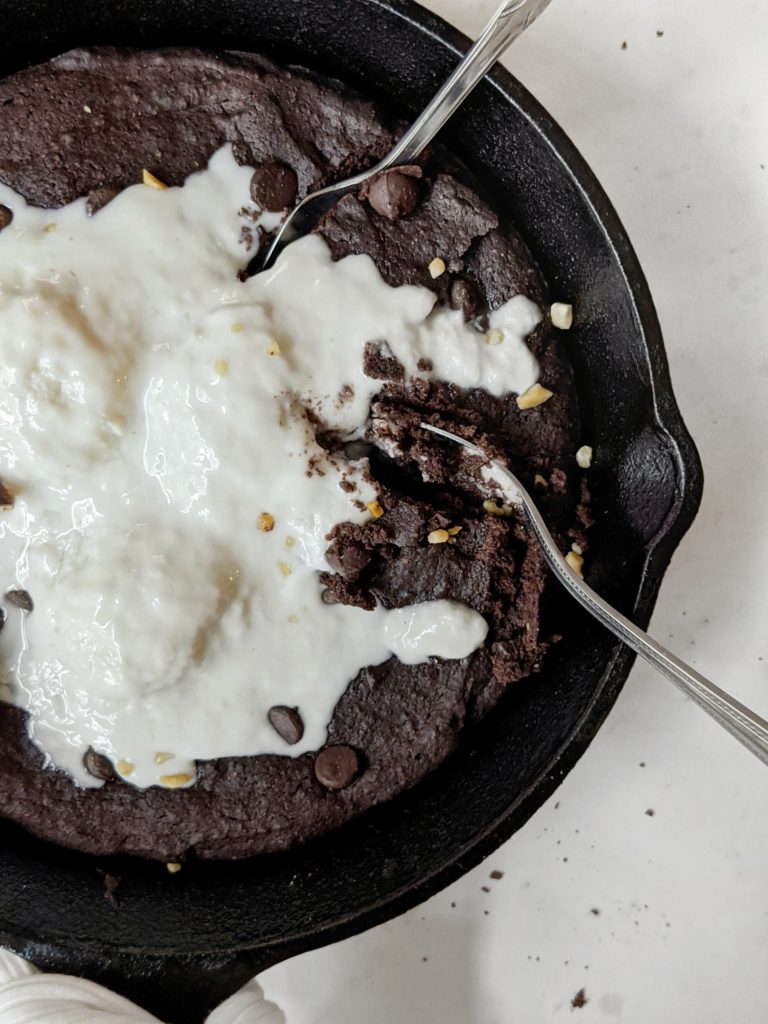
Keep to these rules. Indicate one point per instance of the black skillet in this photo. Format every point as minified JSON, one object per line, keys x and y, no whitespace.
{"x":179,"y":944}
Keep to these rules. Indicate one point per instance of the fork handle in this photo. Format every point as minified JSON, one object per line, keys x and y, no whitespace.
{"x":743,"y":724}
{"x":509,"y":21}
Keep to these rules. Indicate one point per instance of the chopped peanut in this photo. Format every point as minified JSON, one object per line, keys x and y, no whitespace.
{"x":497,"y":510}
{"x":561,"y":315}
{"x":175,"y":781}
{"x":576,"y":562}
{"x":535,"y":395}
{"x":436,"y":267}
{"x":265,"y":522}
{"x":584,"y":456}
{"x":375,"y":509}
{"x":149,"y":179}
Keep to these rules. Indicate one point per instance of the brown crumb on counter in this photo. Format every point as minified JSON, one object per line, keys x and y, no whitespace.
{"x":579,"y":1000}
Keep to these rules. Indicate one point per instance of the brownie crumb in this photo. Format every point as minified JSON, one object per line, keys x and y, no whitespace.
{"x":485,"y":888}
{"x":624,"y":45}
{"x":579,"y":1000}
{"x":496,"y":874}
{"x":111,"y":883}
{"x":595,"y":911}
{"x":650,"y":812}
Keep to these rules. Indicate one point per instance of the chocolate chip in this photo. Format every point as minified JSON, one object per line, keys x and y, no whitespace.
{"x":6,"y":216}
{"x":286,"y":722}
{"x":98,"y":765}
{"x":464,"y":295}
{"x":99,"y":197}
{"x":6,"y":498}
{"x":337,"y":766}
{"x":394,"y":194}
{"x":274,"y":187}
{"x":20,"y":598}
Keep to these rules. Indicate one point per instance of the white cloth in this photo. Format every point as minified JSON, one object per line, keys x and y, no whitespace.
{"x":29,"y":997}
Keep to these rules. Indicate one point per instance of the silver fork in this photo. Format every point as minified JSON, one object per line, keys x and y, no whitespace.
{"x":747,"y":727}
{"x":510,"y":20}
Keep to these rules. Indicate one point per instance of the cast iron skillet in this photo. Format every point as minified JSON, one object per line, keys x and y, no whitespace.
{"x":180,"y":944}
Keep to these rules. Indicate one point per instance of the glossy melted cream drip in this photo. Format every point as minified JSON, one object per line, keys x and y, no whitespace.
{"x":171,"y":501}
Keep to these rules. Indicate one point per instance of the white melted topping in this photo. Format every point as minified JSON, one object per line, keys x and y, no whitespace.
{"x":152,"y":406}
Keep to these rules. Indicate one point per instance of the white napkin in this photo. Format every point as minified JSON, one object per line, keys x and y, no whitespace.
{"x":29,"y":997}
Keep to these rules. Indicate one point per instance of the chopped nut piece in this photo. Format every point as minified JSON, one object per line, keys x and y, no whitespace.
{"x":497,"y":510}
{"x":535,"y":395}
{"x":162,"y":756}
{"x":375,"y":509}
{"x":221,"y":366}
{"x":173,"y":867}
{"x":273,"y":349}
{"x":438,"y":536}
{"x":576,"y":562}
{"x":453,"y":530}
{"x":540,"y":481}
{"x":236,"y":328}
{"x":125,"y":767}
{"x":494,"y":337}
{"x":149,"y":179}
{"x":584,"y":456}
{"x":265,"y":522}
{"x":51,"y":227}
{"x":87,"y":109}
{"x":436,"y":267}
{"x":577,"y":548}
{"x":561,"y":315}
{"x":285,"y":569}
{"x":175,"y":781}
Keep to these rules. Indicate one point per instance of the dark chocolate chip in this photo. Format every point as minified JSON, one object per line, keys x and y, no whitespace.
{"x":464,"y":295}
{"x":286,"y":722}
{"x":20,"y":598}
{"x":6,"y":498}
{"x":274,"y":187}
{"x":99,"y":197}
{"x":337,"y":766}
{"x":6,"y":216}
{"x":98,"y":765}
{"x":394,"y":194}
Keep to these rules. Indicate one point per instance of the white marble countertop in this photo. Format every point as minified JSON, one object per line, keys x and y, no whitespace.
{"x":661,"y":918}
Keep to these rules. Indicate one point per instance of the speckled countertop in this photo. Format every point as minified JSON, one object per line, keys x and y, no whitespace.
{"x":643,"y":880}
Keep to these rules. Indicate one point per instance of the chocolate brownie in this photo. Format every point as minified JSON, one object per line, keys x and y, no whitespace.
{"x":86,"y":124}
